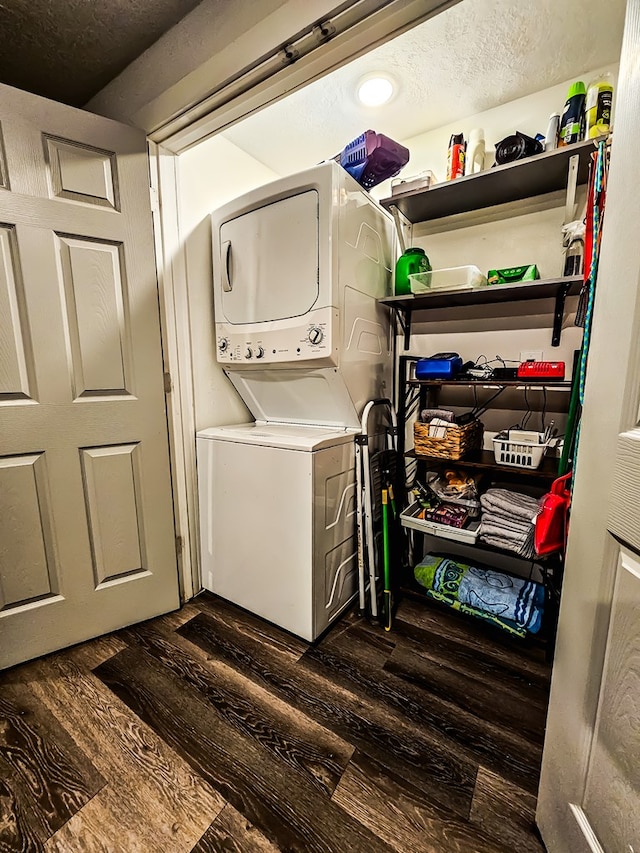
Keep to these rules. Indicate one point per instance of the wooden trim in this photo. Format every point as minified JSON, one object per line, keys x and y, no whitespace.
{"x":176,"y":345}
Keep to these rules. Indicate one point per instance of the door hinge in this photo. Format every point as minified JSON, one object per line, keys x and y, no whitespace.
{"x":155,"y":200}
{"x":179,"y":545}
{"x":168,"y":384}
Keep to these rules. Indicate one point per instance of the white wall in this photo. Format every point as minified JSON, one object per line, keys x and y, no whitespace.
{"x":211,"y":174}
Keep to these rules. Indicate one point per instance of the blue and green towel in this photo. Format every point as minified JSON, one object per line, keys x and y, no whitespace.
{"x":514,"y":604}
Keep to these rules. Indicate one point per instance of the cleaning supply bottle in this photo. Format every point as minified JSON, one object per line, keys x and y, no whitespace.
{"x":474,"y":157}
{"x":598,"y":106}
{"x":411,"y":261}
{"x":573,"y":114}
{"x":551,"y":137}
{"x":456,"y":157}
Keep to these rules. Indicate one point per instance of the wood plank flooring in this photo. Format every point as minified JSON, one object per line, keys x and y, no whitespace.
{"x":210,"y":730}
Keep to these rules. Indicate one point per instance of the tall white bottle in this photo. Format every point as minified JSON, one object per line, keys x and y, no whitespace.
{"x":551,"y":137}
{"x":475,"y":152}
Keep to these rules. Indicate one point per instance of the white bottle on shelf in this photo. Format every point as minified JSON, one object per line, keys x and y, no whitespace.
{"x":551,"y":137}
{"x":475,"y":152}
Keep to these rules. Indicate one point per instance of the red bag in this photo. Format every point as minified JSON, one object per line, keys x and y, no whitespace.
{"x":551,"y":525}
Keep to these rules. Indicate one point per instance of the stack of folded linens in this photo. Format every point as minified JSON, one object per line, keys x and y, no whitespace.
{"x":508,"y":520}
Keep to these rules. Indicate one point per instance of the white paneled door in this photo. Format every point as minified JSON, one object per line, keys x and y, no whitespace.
{"x":589,"y":798}
{"x":87,"y":539}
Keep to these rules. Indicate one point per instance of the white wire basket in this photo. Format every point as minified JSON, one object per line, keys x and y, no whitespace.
{"x":524,"y":453}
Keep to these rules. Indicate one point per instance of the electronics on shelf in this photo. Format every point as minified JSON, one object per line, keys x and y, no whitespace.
{"x":541,"y":370}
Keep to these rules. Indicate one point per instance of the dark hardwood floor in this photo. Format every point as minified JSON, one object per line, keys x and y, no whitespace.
{"x":210,"y":730}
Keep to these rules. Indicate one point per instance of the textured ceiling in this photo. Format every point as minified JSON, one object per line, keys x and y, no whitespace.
{"x":475,"y":56}
{"x":68,"y":50}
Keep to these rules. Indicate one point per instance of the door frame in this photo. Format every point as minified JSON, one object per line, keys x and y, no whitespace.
{"x":374,"y":24}
{"x":177,"y":362}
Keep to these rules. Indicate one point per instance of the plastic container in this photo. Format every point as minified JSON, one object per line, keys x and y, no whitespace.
{"x":373,"y":157}
{"x":412,"y":261}
{"x":572,"y":121}
{"x":421,"y":181}
{"x":410,"y":518}
{"x":443,"y":365}
{"x":598,"y":106}
{"x":474,"y":160}
{"x":451,"y":278}
{"x":523,"y":453}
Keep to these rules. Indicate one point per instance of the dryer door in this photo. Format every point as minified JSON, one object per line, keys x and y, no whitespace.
{"x":268,"y":261}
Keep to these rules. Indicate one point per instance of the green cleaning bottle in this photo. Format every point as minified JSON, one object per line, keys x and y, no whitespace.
{"x":598,"y":106}
{"x":410,"y":262}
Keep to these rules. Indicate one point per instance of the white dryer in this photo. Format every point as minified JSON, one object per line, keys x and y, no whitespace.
{"x":299,"y":265}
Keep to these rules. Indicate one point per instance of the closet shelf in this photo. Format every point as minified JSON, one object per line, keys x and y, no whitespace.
{"x":557,"y":288}
{"x":541,"y":384}
{"x":481,"y":547}
{"x":484,"y":460}
{"x":543,"y":173}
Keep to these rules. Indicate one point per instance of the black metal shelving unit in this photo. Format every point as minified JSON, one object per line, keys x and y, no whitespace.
{"x":545,"y":173}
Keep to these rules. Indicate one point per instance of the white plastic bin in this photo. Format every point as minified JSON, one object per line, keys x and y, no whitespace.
{"x":519,"y":454}
{"x":451,"y":278}
{"x":409,"y":518}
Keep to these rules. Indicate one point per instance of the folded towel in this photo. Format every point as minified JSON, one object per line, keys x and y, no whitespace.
{"x":511,"y":536}
{"x":513,"y":603}
{"x":507,"y":521}
{"x":523,"y":549}
{"x":510,"y":504}
{"x":501,"y":526}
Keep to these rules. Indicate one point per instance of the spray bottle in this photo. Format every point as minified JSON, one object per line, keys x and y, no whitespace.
{"x":456,"y":157}
{"x":598,"y":106}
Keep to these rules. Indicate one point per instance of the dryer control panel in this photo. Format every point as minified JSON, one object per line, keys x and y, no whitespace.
{"x":307,"y":338}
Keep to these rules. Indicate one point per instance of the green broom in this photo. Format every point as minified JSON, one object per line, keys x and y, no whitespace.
{"x":385,"y":551}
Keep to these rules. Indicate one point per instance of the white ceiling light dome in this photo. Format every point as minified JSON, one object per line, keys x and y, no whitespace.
{"x":375,"y":89}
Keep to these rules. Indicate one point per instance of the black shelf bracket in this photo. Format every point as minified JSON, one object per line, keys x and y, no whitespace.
{"x":558,"y":314}
{"x":404,"y":321}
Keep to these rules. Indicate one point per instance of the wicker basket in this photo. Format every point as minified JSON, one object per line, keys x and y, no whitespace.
{"x":457,"y":441}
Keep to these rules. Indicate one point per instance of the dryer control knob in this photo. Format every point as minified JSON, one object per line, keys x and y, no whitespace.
{"x":223,"y":344}
{"x":315,"y":335}
{"x":248,"y":353}
{"x":260,"y":352}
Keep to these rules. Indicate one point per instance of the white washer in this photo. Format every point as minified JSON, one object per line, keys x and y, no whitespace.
{"x":277,"y":521}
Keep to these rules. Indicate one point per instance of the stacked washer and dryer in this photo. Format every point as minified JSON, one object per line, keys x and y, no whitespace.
{"x":298,"y":267}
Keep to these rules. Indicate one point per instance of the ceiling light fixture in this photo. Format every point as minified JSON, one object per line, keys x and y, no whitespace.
{"x":374,"y":90}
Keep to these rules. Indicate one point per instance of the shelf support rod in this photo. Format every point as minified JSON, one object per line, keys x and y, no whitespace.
{"x":393,"y":210}
{"x":572,"y":183}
